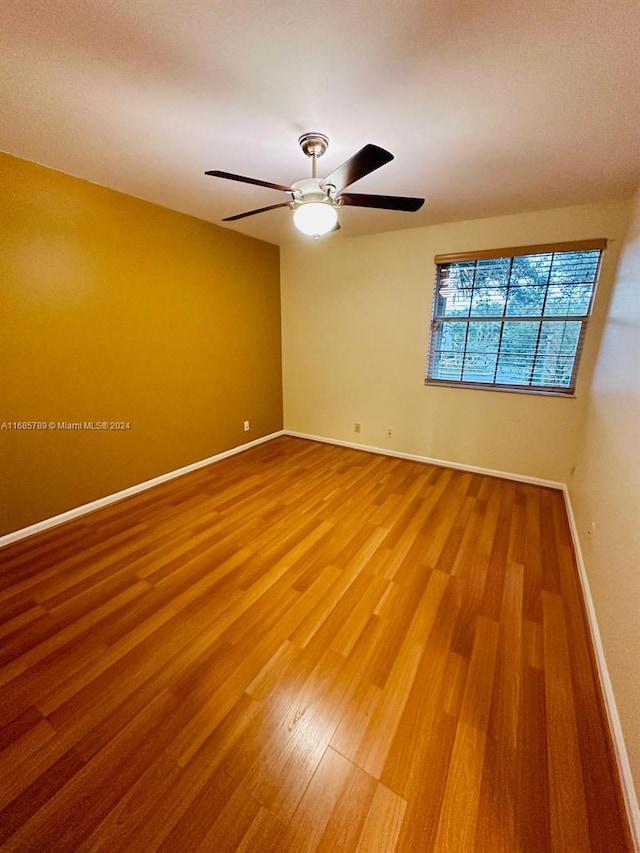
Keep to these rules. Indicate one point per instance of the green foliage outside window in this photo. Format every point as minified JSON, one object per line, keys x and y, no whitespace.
{"x":512,"y":322}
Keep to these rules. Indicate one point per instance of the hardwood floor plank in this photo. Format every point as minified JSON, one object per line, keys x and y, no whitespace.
{"x":25,"y":686}
{"x":395,"y":611}
{"x":35,"y":652}
{"x":492,"y":600}
{"x":569,"y":822}
{"x":131,"y":810}
{"x":380,"y":732}
{"x":325,"y":619}
{"x":355,"y":721}
{"x":309,"y":822}
{"x":383,"y":823}
{"x":305,"y":647}
{"x":531,"y":549}
{"x":199,"y":827}
{"x":351,"y":630}
{"x":532,"y":820}
{"x":495,"y":826}
{"x":459,"y":814}
{"x":459,"y":811}
{"x":20,"y":725}
{"x":155,"y":804}
{"x":35,"y":796}
{"x":20,"y":776}
{"x":305,"y":724}
{"x":506,"y":700}
{"x":496,"y":815}
{"x":23,"y":747}
{"x":532,"y":643}
{"x":601,"y":799}
{"x":24,"y":617}
{"x":415,"y":745}
{"x":227,"y":831}
{"x":349,"y":814}
{"x":264,"y":834}
{"x":549,"y":555}
{"x":59,"y":826}
{"x":426,"y":789}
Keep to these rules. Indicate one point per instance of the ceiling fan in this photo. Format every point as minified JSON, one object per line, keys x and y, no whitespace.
{"x":315,"y":202}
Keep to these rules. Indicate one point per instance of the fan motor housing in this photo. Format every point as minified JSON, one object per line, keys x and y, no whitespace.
{"x":309,"y":189}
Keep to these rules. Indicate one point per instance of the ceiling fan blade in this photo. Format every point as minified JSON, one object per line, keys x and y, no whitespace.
{"x":253,"y":212}
{"x":244,"y":180}
{"x":367,"y":160}
{"x":384,"y":202}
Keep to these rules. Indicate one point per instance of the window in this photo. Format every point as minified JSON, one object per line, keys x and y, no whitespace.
{"x":513,"y":319}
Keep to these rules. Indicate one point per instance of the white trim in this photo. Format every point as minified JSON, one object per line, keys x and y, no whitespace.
{"x":613,"y":718}
{"x":55,"y":520}
{"x":442,"y":463}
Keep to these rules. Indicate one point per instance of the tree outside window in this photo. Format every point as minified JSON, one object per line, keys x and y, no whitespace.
{"x":513,"y":321}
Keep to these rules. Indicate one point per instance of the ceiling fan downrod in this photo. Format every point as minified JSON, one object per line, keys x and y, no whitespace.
{"x":314,"y":145}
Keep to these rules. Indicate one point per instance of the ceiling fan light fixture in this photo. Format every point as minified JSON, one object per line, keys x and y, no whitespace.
{"x":315,"y":218}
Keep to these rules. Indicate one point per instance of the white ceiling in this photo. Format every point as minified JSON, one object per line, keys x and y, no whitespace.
{"x":490,"y":106}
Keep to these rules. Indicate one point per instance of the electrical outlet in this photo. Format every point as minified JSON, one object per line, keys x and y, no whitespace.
{"x":246,"y":426}
{"x":356,"y":427}
{"x":389,"y":431}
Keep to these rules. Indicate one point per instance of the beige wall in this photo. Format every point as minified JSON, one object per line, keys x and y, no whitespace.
{"x":356,"y":315}
{"x":606,"y":490}
{"x":115,"y":309}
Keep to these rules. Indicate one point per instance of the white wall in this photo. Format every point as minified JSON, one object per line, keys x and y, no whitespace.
{"x":355,"y":324}
{"x":606,"y":490}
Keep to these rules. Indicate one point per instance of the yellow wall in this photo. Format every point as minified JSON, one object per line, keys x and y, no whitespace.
{"x":115,"y":309}
{"x":356,"y":315}
{"x":606,"y":490}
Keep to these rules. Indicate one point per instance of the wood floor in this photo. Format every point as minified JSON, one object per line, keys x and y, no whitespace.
{"x":304,"y":648}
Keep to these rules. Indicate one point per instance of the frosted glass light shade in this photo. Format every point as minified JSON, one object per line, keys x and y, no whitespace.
{"x":315,"y":218}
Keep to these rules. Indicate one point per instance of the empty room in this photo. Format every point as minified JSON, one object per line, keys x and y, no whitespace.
{"x":319,"y":427}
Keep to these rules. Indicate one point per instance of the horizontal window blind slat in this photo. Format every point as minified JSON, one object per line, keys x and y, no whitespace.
{"x":517,"y":251}
{"x":510,"y":318}
{"x":516,"y":323}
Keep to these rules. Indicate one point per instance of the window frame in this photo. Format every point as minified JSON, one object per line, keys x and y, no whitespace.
{"x":510,"y":254}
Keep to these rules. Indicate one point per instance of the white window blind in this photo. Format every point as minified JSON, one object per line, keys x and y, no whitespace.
{"x":513,"y":319}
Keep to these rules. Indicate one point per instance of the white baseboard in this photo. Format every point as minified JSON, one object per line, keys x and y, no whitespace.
{"x":624,"y":768}
{"x":442,"y":463}
{"x":55,"y":520}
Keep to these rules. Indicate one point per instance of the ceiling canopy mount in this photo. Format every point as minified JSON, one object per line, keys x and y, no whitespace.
{"x":313,"y":144}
